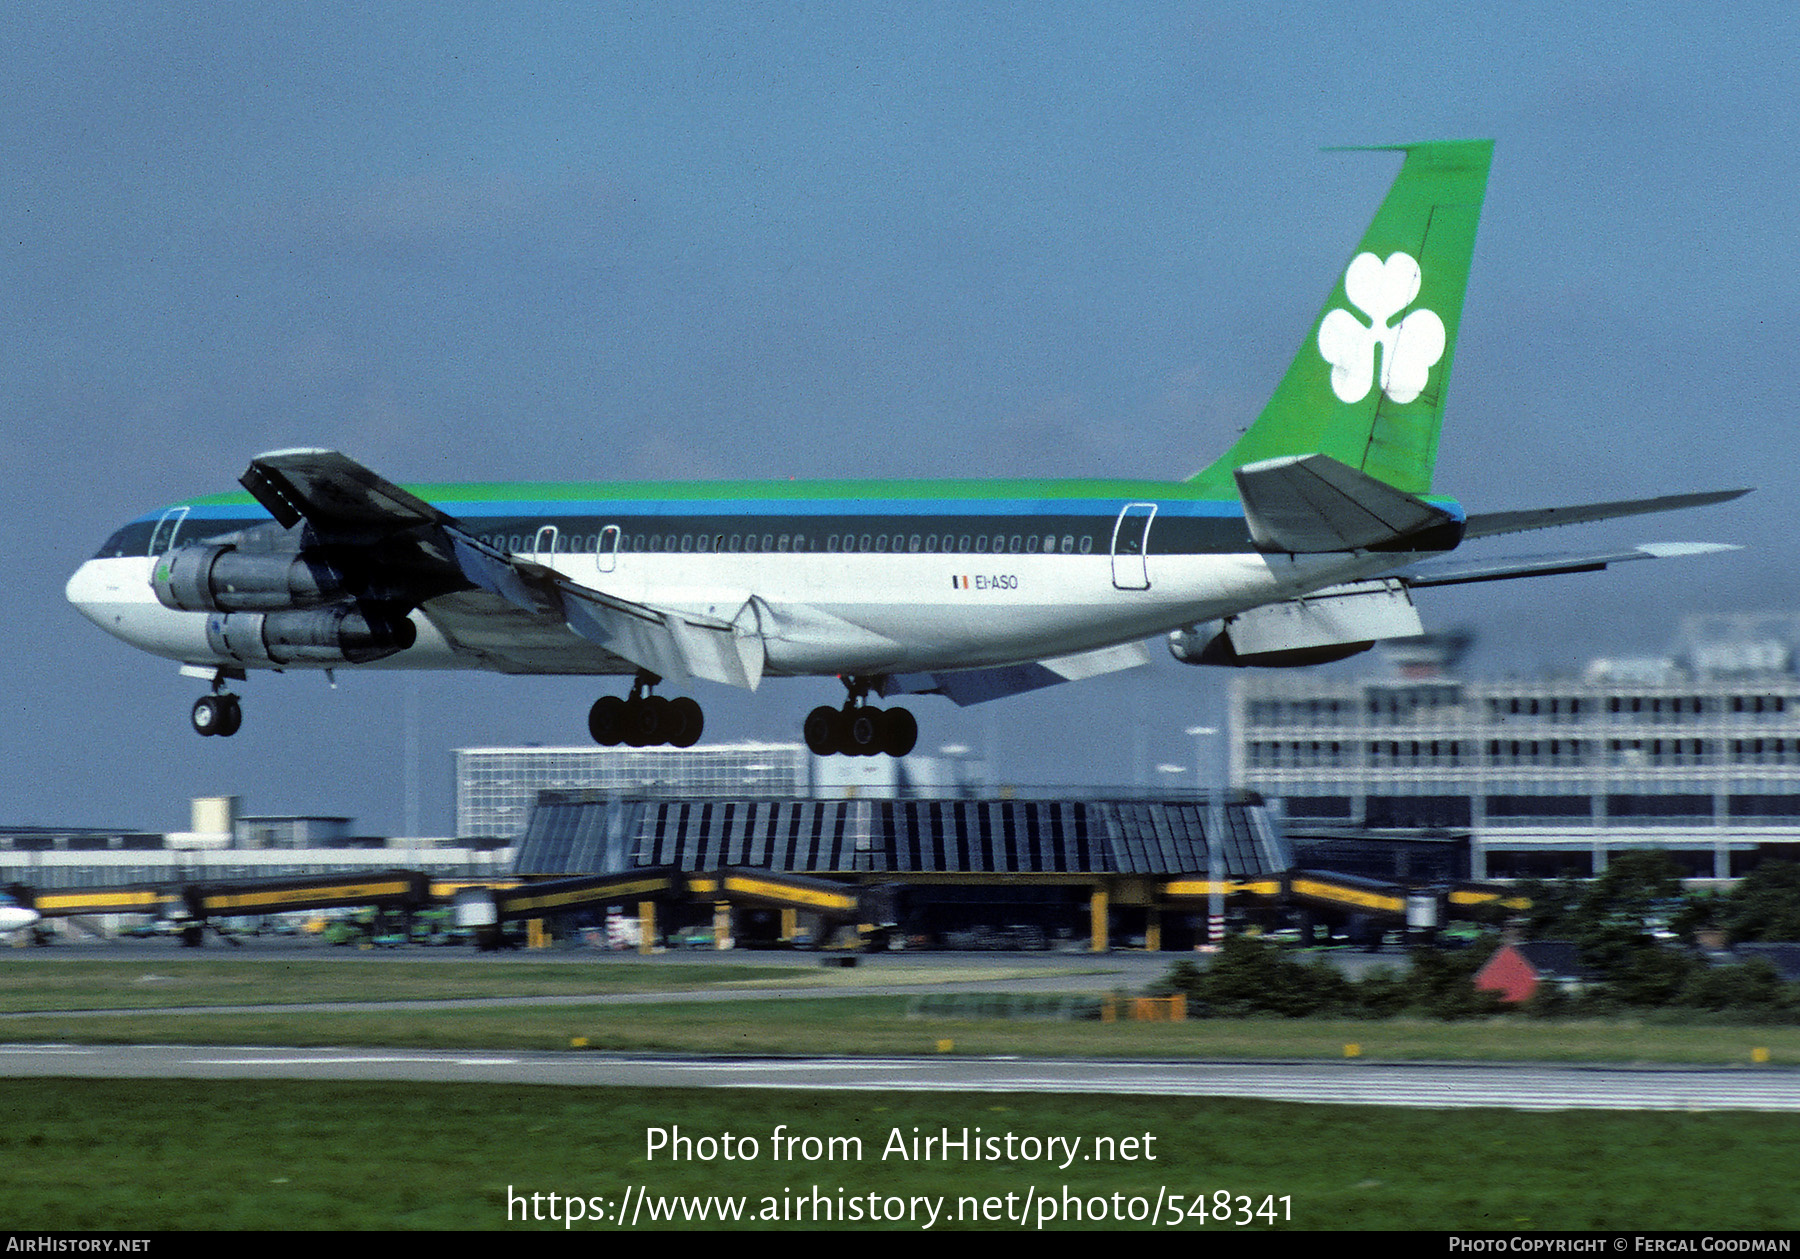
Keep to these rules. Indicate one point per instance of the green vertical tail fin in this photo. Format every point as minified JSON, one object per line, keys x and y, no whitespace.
{"x":1367,"y":386}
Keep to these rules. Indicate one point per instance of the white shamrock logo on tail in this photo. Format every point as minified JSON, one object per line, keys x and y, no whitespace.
{"x":1409,"y":349}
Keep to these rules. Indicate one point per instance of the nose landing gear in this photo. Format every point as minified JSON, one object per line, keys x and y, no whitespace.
{"x":219,"y":713}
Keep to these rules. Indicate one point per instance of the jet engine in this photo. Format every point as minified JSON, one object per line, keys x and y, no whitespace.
{"x":1189,"y":645}
{"x":1199,"y":644}
{"x":1318,"y":628}
{"x":344,"y":633}
{"x":242,"y":576}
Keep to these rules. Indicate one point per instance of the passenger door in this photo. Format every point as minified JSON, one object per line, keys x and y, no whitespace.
{"x":1130,"y":544}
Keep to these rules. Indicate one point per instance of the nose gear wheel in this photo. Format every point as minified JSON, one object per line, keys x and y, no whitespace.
{"x":217,"y":715}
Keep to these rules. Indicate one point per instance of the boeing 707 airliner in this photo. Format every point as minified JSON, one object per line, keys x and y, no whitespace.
{"x":1302,"y":544}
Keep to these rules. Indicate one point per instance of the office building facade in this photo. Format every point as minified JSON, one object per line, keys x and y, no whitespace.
{"x":496,"y":787}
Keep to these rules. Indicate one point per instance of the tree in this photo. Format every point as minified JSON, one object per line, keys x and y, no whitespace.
{"x":1765,"y":905}
{"x":1612,"y":923}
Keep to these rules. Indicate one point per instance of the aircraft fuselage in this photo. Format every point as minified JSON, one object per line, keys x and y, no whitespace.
{"x":846,"y":578}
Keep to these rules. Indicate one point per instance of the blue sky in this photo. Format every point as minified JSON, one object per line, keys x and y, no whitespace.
{"x":464,"y":241}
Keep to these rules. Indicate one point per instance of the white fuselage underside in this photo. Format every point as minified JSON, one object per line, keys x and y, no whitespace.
{"x":821,"y":614}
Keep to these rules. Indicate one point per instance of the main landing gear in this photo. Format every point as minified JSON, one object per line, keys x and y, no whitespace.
{"x":858,"y":729}
{"x":645,"y":720}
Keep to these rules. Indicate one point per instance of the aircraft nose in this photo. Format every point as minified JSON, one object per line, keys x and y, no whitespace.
{"x":98,"y":591}
{"x":114,"y":592}
{"x":83,"y":588}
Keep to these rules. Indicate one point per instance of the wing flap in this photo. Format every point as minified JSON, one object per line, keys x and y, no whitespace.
{"x":1360,"y":612}
{"x":483,"y":628}
{"x":668,"y":644}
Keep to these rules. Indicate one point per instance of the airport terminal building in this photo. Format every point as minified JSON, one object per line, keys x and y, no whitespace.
{"x":1697,"y":753}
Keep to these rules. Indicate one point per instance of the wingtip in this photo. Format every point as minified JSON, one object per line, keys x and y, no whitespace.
{"x":295,"y":450}
{"x":1672,"y":550}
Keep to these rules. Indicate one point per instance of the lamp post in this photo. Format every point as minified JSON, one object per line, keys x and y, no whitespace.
{"x":958,"y":756}
{"x":1197,"y":733}
{"x":1215,"y":856}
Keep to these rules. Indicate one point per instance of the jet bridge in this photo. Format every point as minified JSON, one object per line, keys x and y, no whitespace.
{"x":1148,"y":861}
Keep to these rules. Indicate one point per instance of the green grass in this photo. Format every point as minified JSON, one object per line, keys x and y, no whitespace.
{"x":172,"y":1154}
{"x":79,"y":993}
{"x":57,"y":984}
{"x":881,"y":1025}
{"x":305,"y":1155}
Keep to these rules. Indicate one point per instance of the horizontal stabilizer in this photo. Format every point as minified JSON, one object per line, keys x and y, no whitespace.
{"x":1311,"y":504}
{"x":1487,"y":524}
{"x":977,"y":686}
{"x":1454,"y":572}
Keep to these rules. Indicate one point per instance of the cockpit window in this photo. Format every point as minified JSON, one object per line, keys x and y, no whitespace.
{"x":133,"y":539}
{"x":154,"y":536}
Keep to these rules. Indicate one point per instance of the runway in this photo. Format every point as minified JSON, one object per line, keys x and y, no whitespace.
{"x":1524,"y":1087}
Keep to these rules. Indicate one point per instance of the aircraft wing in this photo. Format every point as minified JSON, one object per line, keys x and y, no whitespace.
{"x":977,"y":686}
{"x":1451,"y":571}
{"x":510,"y":612}
{"x":333,"y":492}
{"x":1487,"y":524}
